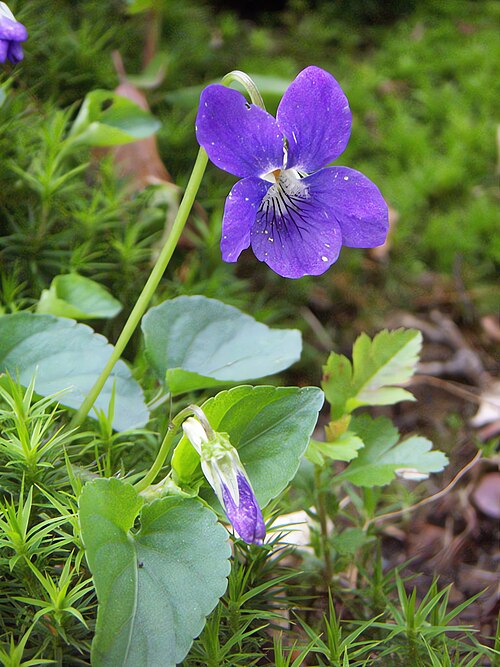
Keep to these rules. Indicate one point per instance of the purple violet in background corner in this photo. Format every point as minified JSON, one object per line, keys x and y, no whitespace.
{"x":224,"y":472}
{"x":294,"y":212}
{"x":12,"y":33}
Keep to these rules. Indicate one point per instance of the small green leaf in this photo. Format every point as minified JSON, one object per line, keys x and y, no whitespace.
{"x":345,"y":448}
{"x":349,"y":541}
{"x":137,"y":6}
{"x":269,"y":426}
{"x":67,"y":357}
{"x":382,"y":454}
{"x":337,"y":383}
{"x":389,"y":359}
{"x":107,"y":119}
{"x":79,"y":298}
{"x":195,"y":343}
{"x":156,"y":585}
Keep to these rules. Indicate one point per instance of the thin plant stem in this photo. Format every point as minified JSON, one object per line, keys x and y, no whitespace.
{"x":247,"y":83}
{"x":160,"y":459}
{"x":150,"y":286}
{"x":165,"y":447}
{"x":323,"y":524}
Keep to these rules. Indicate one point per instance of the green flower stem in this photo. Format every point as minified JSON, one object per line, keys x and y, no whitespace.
{"x":150,"y":286}
{"x":323,"y":524}
{"x":164,"y":448}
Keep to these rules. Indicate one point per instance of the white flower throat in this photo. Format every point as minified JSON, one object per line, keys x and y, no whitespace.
{"x":285,"y":203}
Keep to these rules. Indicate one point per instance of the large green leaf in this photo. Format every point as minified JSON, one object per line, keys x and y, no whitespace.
{"x":79,"y":298}
{"x":195,"y":342}
{"x":67,"y":357}
{"x":107,"y":119}
{"x":155,"y":586}
{"x":269,"y":426}
{"x":383,"y":455}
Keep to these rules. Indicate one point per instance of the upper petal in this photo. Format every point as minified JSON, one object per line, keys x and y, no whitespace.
{"x":295,"y":234}
{"x":355,"y":202}
{"x":240,"y":211}
{"x":239,"y":137}
{"x":315,"y":117}
{"x":12,"y":30}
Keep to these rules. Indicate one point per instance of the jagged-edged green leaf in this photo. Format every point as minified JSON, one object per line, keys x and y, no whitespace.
{"x":270,"y":427}
{"x":195,"y":342}
{"x":79,"y":298}
{"x":155,"y":586}
{"x":107,"y":119}
{"x":67,"y":357}
{"x":389,"y":359}
{"x":344,"y":448}
{"x":383,"y":454}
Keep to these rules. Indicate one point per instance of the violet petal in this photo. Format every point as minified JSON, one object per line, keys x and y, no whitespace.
{"x":240,"y":211}
{"x":12,"y":30}
{"x":315,"y":117}
{"x":356,"y":204}
{"x":246,"y":517}
{"x":239,"y":137}
{"x":4,"y":49}
{"x":15,"y":53}
{"x":295,"y":234}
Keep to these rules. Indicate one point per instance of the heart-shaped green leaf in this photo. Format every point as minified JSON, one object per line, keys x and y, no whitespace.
{"x":270,"y":427}
{"x":155,"y":586}
{"x":195,"y":342}
{"x":67,"y":357}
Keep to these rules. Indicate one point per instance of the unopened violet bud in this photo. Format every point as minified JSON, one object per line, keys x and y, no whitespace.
{"x":224,"y":472}
{"x":12,"y":33}
{"x":246,"y":517}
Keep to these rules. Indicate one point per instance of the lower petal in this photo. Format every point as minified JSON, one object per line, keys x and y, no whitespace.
{"x":240,"y":210}
{"x":4,"y":48}
{"x":356,"y":204}
{"x":15,"y":53}
{"x":294,"y":234}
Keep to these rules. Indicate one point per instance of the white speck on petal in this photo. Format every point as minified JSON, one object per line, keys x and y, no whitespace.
{"x":324,"y":258}
{"x":346,"y":178}
{"x":246,"y":198}
{"x":270,"y":239}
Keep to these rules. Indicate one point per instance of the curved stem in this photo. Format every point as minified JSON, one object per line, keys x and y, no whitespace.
{"x":150,"y":286}
{"x":150,"y":476}
{"x":248,"y":84}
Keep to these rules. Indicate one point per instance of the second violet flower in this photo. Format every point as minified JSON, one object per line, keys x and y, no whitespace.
{"x":295,"y":213}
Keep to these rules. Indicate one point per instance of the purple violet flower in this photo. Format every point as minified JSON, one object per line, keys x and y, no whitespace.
{"x":224,"y":472}
{"x":11,"y":34}
{"x":295,"y":213}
